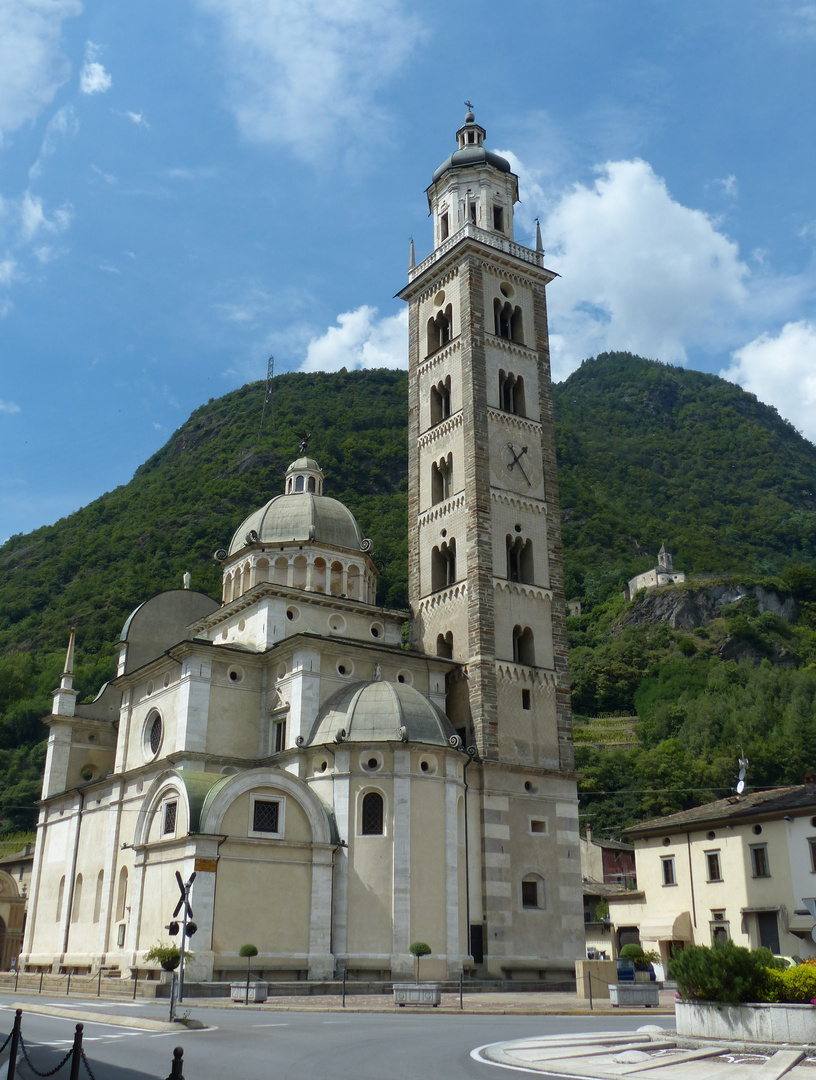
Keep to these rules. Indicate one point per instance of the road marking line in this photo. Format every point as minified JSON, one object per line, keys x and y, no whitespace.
{"x":271,"y":1025}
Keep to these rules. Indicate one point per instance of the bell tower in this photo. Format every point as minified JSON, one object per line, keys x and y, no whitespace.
{"x":485,"y":558}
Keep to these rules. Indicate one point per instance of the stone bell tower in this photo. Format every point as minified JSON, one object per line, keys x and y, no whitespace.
{"x":485,"y":559}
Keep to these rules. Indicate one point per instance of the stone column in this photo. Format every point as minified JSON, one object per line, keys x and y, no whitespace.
{"x":401,"y":963}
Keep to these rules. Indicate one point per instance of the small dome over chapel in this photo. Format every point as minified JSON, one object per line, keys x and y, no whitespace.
{"x":381,"y":712}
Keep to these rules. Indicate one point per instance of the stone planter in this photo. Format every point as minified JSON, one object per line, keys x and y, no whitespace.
{"x":258,"y":991}
{"x":746,"y":1023}
{"x":417,"y":994}
{"x":633,"y":994}
{"x":643,"y":976}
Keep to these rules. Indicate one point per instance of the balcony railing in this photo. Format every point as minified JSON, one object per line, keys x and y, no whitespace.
{"x":484,"y":236}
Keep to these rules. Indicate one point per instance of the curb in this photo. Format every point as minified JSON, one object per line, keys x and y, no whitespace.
{"x":142,"y":1023}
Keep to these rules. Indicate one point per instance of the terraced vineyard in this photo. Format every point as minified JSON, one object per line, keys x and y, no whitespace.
{"x":605,"y":732}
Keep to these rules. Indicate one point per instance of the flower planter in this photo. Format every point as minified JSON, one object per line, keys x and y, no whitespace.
{"x":417,"y":994}
{"x":258,"y":991}
{"x":746,"y":1023}
{"x":633,"y":994}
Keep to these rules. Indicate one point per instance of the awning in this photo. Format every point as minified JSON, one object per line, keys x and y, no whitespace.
{"x":666,"y":928}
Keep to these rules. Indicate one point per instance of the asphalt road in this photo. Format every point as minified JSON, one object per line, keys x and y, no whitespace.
{"x":267,"y":1045}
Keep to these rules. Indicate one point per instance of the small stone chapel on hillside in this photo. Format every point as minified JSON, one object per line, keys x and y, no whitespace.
{"x":338,"y":795}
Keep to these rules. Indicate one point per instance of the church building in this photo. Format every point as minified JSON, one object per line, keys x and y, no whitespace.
{"x":338,"y":794}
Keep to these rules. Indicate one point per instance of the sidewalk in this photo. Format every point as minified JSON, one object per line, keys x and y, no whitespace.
{"x":499,"y":1003}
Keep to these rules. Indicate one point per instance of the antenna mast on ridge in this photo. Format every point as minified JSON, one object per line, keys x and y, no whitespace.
{"x":270,"y":370}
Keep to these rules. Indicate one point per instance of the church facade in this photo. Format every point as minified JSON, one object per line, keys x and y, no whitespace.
{"x":338,"y":794}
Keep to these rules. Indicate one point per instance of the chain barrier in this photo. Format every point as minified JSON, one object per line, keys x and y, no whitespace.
{"x":33,"y":1067}
{"x":85,"y":1063}
{"x":75,"y":1055}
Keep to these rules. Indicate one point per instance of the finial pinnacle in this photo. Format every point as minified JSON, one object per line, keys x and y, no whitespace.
{"x":469,"y":117}
{"x":304,"y":441}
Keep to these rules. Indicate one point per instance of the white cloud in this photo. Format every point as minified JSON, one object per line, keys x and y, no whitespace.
{"x":33,"y":219}
{"x":360,"y":340}
{"x":138,"y":119}
{"x":8,"y":271}
{"x":8,"y":407}
{"x":781,"y":371}
{"x":63,"y":124}
{"x":93,"y":79}
{"x":639,"y":271}
{"x":729,"y":186}
{"x":31,"y":66}
{"x":306,"y":74}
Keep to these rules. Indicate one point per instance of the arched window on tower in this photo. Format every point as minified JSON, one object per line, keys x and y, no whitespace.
{"x":312,"y":483}
{"x":121,"y":895}
{"x":440,"y":401}
{"x":441,"y":476}
{"x":443,"y":566}
{"x":511,"y":393}
{"x":372,"y":817}
{"x":523,"y":646}
{"x":444,"y":645}
{"x":519,"y":559}
{"x":299,"y":484}
{"x":440,"y":329}
{"x":508,"y":321}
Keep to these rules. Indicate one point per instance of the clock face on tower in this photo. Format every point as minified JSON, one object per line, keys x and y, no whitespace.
{"x":515,"y":462}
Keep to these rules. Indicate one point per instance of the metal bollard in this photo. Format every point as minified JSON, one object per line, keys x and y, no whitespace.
{"x":16,"y":978}
{"x":461,"y":989}
{"x":76,"y":1053}
{"x":344,"y":987}
{"x":135,"y":981}
{"x":99,"y":984}
{"x":176,"y":1067}
{"x":68,"y":991}
{"x":15,"y":1043}
{"x":42,"y":973}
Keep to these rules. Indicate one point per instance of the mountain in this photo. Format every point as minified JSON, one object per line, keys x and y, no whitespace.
{"x":648,"y":453}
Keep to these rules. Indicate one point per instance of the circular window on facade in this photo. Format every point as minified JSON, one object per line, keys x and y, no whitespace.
{"x":153,"y":734}
{"x":405,"y":677}
{"x":292,"y":614}
{"x":166,"y":681}
{"x":507,"y":289}
{"x":337,"y":624}
{"x":150,"y":688}
{"x":345,"y":668}
{"x":427,"y":765}
{"x":439,"y":299}
{"x":236,"y":674}
{"x":377,"y":629}
{"x":242,"y":624}
{"x":281,"y":671}
{"x":371,"y":760}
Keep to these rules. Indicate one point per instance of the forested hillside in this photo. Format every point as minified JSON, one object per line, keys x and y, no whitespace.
{"x":648,"y":453}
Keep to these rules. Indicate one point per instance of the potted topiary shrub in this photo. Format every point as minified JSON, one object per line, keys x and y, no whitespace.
{"x":417,"y":994}
{"x":642,"y":960}
{"x":257,"y":991}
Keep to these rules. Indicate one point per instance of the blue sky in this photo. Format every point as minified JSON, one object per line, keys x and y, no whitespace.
{"x":188,"y":187}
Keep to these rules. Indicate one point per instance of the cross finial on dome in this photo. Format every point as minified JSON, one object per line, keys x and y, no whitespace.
{"x":304,"y":442}
{"x":469,"y":117}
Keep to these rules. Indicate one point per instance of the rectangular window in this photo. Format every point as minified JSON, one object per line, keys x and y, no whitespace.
{"x":529,"y":894}
{"x":668,"y":870}
{"x":759,"y":860}
{"x":525,"y":699}
{"x":811,"y":847}
{"x":279,"y":737}
{"x":498,"y":218}
{"x":443,"y":227}
{"x":120,"y":935}
{"x":537,"y":825}
{"x":720,"y":930}
{"x":713,"y":866}
{"x":265,"y":814}
{"x":472,"y":212}
{"x":169,"y":824}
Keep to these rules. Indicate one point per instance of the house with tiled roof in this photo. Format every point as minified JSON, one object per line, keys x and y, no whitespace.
{"x":735,"y":869}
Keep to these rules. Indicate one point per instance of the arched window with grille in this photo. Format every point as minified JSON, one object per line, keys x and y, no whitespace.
{"x":511,"y":393}
{"x":440,"y":401}
{"x":444,"y":645}
{"x":372,"y":814}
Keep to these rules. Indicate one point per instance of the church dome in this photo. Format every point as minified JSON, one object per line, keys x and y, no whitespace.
{"x":300,"y":518}
{"x":381,"y":712}
{"x":472,"y":155}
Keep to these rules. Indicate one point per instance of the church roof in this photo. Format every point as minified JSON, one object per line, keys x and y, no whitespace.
{"x":300,"y":518}
{"x":472,"y":155}
{"x":381,"y":712}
